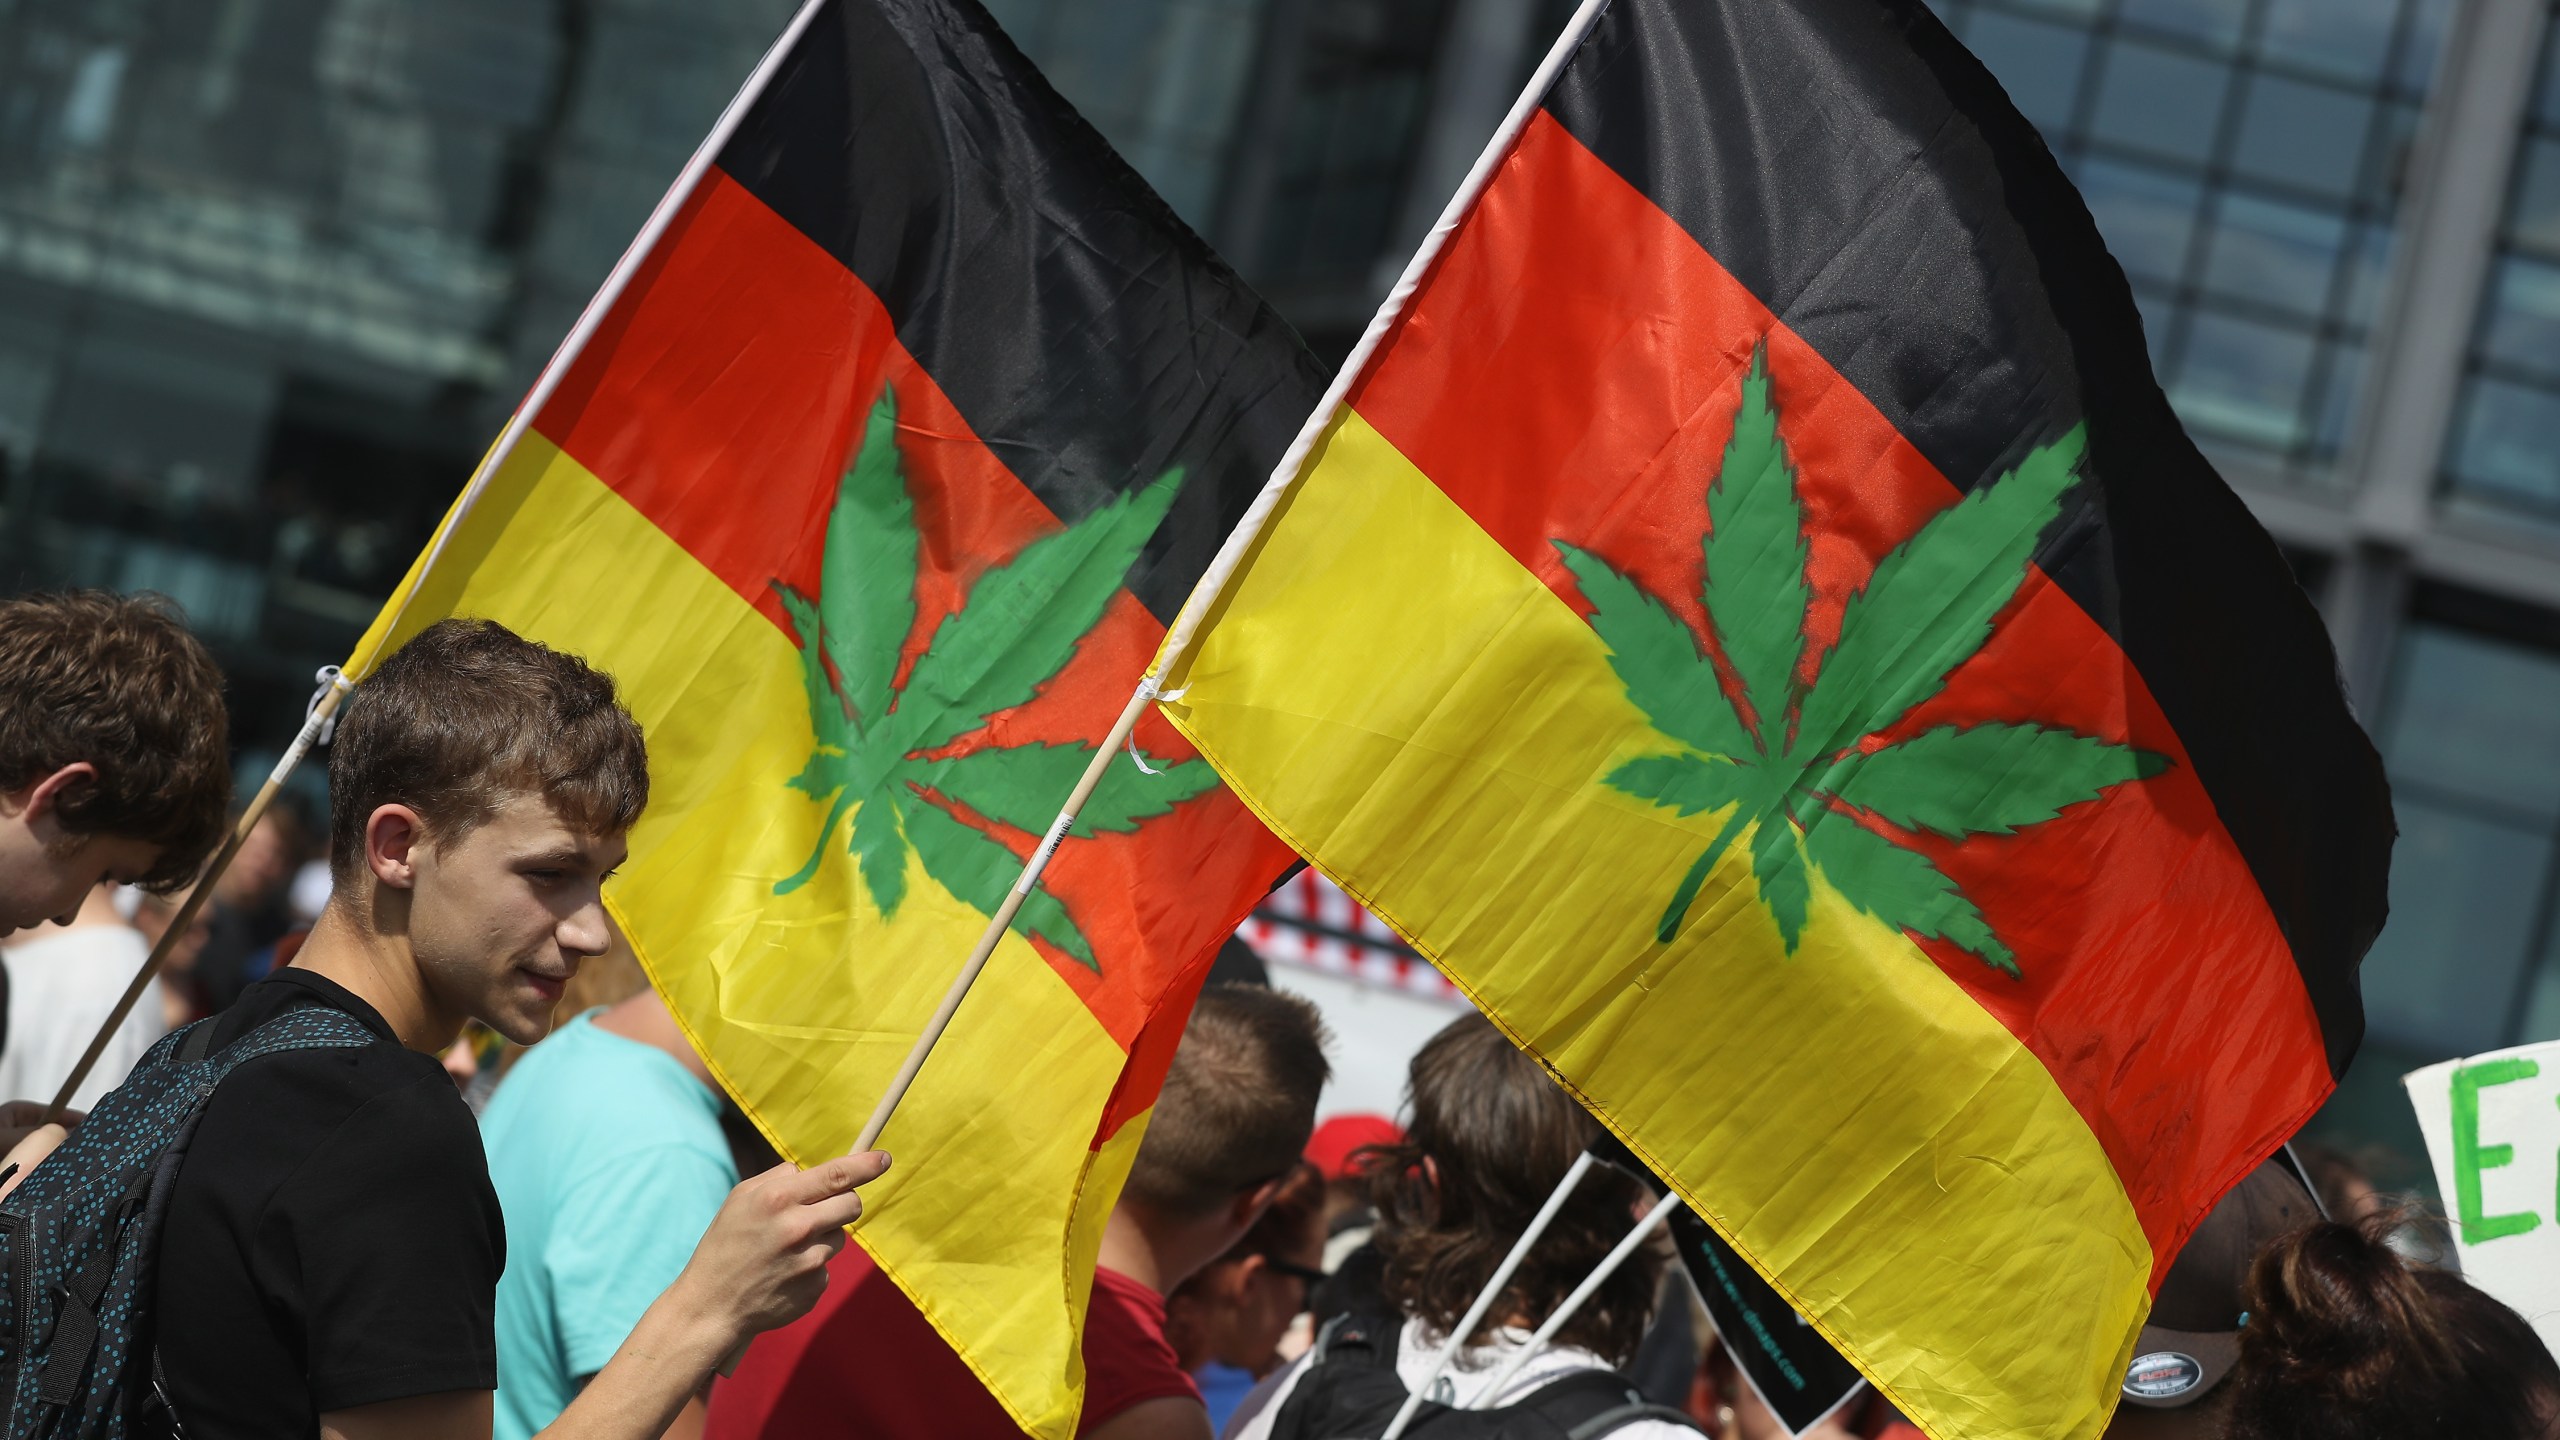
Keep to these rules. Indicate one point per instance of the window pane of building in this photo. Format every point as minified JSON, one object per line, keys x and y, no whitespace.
{"x":2463,"y":898}
{"x":2350,"y":39}
{"x":2303,"y":135}
{"x":2471,"y":734}
{"x":2423,"y":25}
{"x":2160,"y":102}
{"x":2272,"y":253}
{"x":2476,"y":718}
{"x":2340,"y":389}
{"x":2534,"y":221}
{"x":2213,"y":22}
{"x":2524,"y":316}
{"x":2506,"y":446}
{"x":2368,"y":268}
{"x":2245,"y":381}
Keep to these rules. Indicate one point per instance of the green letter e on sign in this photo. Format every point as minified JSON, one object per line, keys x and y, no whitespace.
{"x":2470,"y":1157}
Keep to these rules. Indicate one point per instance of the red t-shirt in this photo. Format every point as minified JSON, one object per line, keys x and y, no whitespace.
{"x":865,"y":1363}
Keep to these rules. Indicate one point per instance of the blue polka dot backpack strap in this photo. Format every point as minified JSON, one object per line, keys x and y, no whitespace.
{"x":80,"y":1238}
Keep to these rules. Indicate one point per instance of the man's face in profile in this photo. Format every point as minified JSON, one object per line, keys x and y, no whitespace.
{"x":501,"y":917}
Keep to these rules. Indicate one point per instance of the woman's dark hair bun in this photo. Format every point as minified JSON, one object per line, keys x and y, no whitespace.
{"x":2347,"y":1339}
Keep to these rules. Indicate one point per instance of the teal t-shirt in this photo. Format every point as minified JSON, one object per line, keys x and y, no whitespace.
{"x":609,"y":1164}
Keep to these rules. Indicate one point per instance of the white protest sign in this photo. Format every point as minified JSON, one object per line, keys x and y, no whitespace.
{"x":2492,"y":1124}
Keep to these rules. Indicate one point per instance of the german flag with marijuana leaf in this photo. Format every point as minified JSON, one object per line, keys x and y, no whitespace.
{"x":1813,"y":694}
{"x":874,"y":492}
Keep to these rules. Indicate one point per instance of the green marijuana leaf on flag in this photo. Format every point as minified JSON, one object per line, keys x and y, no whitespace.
{"x":877,"y":748}
{"x":1792,"y":762}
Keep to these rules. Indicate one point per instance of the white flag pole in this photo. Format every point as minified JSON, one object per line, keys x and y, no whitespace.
{"x":337,"y":686}
{"x":1485,"y":1297}
{"x":1213,"y":581}
{"x":1582,"y":1293}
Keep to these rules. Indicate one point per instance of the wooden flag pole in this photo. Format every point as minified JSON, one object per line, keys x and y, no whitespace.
{"x":312,"y":726}
{"x":996,"y":923}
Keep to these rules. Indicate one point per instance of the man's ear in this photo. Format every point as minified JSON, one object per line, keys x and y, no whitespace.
{"x":392,"y":836}
{"x":1248,"y":1205}
{"x":1249,"y":1268}
{"x":41,"y":800}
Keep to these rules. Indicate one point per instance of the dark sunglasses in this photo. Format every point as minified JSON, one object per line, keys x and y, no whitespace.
{"x":1307,"y":1273}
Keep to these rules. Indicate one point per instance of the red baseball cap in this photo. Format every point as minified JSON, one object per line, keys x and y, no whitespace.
{"x":1336,"y":1143}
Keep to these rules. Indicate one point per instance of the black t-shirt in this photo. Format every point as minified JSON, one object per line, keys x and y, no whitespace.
{"x":332,"y":1240}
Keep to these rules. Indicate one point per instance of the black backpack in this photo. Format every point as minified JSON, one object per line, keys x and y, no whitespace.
{"x":1350,"y":1391}
{"x":80,"y":1238}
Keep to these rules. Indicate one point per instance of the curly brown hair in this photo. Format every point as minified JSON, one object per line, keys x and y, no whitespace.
{"x":467,"y":714}
{"x":1492,"y":1133}
{"x":117,"y":681}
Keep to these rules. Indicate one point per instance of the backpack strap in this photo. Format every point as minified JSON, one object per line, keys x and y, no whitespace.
{"x":1637,"y":1409}
{"x":1369,"y":1341}
{"x":199,"y":1040}
{"x":75,"y":1333}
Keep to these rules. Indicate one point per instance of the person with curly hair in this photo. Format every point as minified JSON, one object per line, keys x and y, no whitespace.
{"x":1490,"y":1137}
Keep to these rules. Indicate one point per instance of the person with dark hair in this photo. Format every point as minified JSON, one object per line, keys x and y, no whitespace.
{"x":1222,"y":1142}
{"x":2347,"y":1340}
{"x":332,"y":1246}
{"x":1226,"y":1322}
{"x":1490,"y":1135}
{"x":115,"y":765}
{"x":115,"y":759}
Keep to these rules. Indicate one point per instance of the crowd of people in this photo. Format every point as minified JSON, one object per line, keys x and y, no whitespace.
{"x":509,"y":1198}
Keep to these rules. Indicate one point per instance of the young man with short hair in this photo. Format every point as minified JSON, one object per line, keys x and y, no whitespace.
{"x":114,"y":751}
{"x":332,"y":1246}
{"x":1236,"y":1109}
{"x":115,"y":765}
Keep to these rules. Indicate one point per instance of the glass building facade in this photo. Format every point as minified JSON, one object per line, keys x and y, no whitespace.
{"x":272,"y":271}
{"x":2245,"y":161}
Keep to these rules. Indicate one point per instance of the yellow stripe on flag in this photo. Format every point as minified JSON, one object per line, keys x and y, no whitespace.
{"x":809,"y":996}
{"x":1913,"y":1154}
